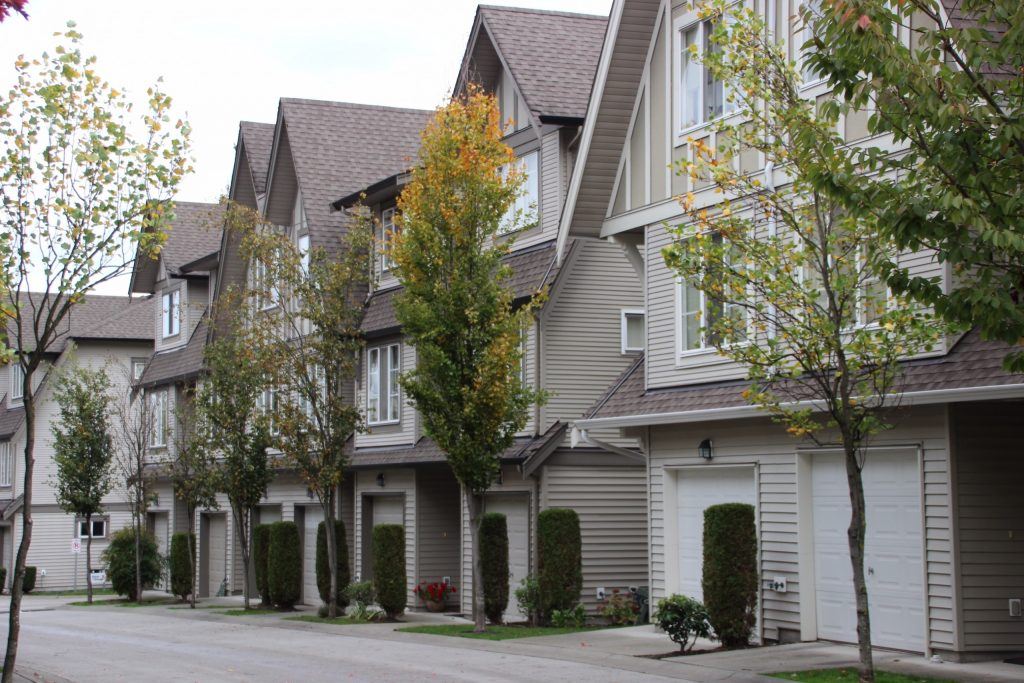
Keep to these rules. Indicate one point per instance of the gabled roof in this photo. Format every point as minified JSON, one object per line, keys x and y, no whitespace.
{"x":971,"y":364}
{"x":10,"y":418}
{"x":194,"y":233}
{"x":258,"y":139}
{"x":180,"y":363}
{"x":552,"y":56}
{"x":337,"y":148}
{"x":95,"y":317}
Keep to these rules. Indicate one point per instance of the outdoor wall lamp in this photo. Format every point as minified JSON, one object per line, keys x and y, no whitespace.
{"x":380,"y":479}
{"x":705,"y":449}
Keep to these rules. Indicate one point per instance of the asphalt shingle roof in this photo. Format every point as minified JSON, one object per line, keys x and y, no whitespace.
{"x":177,"y":364}
{"x":258,"y":139}
{"x":95,"y":317}
{"x":972,"y":362}
{"x":552,"y":55}
{"x":10,"y":419}
{"x":194,"y":233}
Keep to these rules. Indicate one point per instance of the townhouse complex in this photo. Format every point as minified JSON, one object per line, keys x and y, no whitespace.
{"x":646,"y":425}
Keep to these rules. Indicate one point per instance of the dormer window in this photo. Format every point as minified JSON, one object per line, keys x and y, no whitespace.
{"x":387,"y":229}
{"x":303,"y":248}
{"x":17,"y":381}
{"x":523,"y":213}
{"x":170,"y":313}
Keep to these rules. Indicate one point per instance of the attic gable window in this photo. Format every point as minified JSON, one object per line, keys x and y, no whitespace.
{"x":170,"y":313}
{"x":524,"y":213}
{"x":387,"y":229}
{"x":17,"y":381}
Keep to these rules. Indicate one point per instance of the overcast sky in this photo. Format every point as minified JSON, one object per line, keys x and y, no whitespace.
{"x":227,"y":60}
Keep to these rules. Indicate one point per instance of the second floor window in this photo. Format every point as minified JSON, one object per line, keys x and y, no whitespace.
{"x":524,"y":211}
{"x":138,"y":368}
{"x":302,"y":245}
{"x":170,"y":313}
{"x":17,"y":381}
{"x":387,"y":229}
{"x":158,"y":418}
{"x":5,"y":463}
{"x":632,"y":331}
{"x":702,"y":97}
{"x":382,"y":390}
{"x":267,"y":403}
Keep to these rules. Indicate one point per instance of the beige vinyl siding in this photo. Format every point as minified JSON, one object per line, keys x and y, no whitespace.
{"x":611,"y":503}
{"x":401,"y":481}
{"x":774,"y":453}
{"x":660,"y":116}
{"x":438,"y":518}
{"x":530,"y":360}
{"x":581,"y":350}
{"x":346,"y":503}
{"x":52,"y":532}
{"x":638,"y":156}
{"x":402,"y":433}
{"x":990,"y":524}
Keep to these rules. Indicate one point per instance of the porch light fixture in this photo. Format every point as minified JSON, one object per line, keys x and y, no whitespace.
{"x":380,"y":479}
{"x":705,"y":449}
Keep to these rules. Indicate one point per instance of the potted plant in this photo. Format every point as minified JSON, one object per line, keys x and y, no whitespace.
{"x":434,"y":595}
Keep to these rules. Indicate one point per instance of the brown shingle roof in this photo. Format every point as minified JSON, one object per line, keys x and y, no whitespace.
{"x":177,"y":364}
{"x":532,"y":269}
{"x":258,"y":139}
{"x":10,"y":419}
{"x":426,"y":451}
{"x":338,"y":148}
{"x":95,"y":317}
{"x":194,"y":233}
{"x":971,"y":363}
{"x":552,"y":55}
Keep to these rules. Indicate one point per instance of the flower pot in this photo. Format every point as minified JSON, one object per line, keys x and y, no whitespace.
{"x":434,"y":605}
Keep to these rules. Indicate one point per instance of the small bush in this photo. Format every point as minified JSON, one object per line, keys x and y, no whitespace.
{"x":181,"y":563}
{"x":284,"y":565}
{"x":119,"y":557}
{"x":323,"y":567}
{"x":528,"y":598}
{"x":28,"y":580}
{"x":389,"y":568}
{"x":360,"y":596}
{"x":560,"y":560}
{"x":260,"y":554}
{"x":569,"y":618}
{"x":620,"y":609}
{"x":683,"y":618}
{"x":494,"y":558}
{"x":730,"y":571}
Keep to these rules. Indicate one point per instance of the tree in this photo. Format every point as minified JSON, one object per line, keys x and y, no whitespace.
{"x":7,"y":7}
{"x":135,"y":421}
{"x":83,"y":449}
{"x":316,"y":348}
{"x":790,"y":278}
{"x":236,"y":399}
{"x":951,"y":101}
{"x":456,"y":308}
{"x":194,"y":472}
{"x":84,"y":180}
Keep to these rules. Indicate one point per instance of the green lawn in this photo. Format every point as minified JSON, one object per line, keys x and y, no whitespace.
{"x":314,"y":619}
{"x":123,"y":602}
{"x":255,"y":612}
{"x":495,"y":632}
{"x":850,"y":676}
{"x":68,"y":594}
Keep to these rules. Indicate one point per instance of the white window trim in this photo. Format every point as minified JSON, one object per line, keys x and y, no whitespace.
{"x":384,"y":397}
{"x":6,"y":464}
{"x":624,"y":314}
{"x":159,"y":406}
{"x":170,"y":313}
{"x":506,"y":227}
{"x":79,"y":521}
{"x":679,"y":26}
{"x":682,"y":352}
{"x":17,"y":381}
{"x":387,"y":222}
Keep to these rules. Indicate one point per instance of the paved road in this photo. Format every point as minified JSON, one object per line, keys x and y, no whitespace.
{"x":125,"y":644}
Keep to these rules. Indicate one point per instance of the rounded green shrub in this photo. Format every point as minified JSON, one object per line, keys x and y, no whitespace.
{"x":119,"y":557}
{"x":28,"y":580}
{"x":389,"y":568}
{"x":260,"y":553}
{"x":284,"y":564}
{"x":323,"y":567}
{"x":181,"y":563}
{"x":559,"y":561}
{"x":683,"y":619}
{"x":730,"y":577}
{"x":494,"y":561}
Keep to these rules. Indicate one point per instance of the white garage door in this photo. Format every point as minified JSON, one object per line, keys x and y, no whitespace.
{"x":517,"y":518}
{"x":388,"y":510}
{"x":893,"y":550}
{"x":310,"y":593}
{"x":217,"y":555}
{"x":697,"y":489}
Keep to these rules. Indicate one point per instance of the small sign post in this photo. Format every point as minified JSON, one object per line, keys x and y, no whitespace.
{"x":76,"y":549}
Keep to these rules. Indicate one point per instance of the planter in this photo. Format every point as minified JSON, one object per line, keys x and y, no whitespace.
{"x":434,"y":605}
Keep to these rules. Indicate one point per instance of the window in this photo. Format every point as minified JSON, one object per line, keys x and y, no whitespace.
{"x":98,"y":530}
{"x":138,"y":368}
{"x":387,"y":229}
{"x":524,"y":347}
{"x":17,"y":381}
{"x":632,"y":331}
{"x":171,"y":313}
{"x":382,"y":389}
{"x":806,"y":35}
{"x":523,"y":213}
{"x":268,"y":403}
{"x":158,"y":408}
{"x":302,"y":245}
{"x":702,"y":97}
{"x":691,"y":317}
{"x":5,"y":463}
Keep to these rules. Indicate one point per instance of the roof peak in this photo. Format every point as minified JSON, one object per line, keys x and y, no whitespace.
{"x":351,"y":105}
{"x":548,"y":12}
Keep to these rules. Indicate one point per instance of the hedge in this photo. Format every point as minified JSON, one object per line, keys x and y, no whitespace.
{"x":119,"y":557}
{"x":730,"y":571}
{"x":494,"y":561}
{"x":260,"y":553}
{"x":28,"y":580}
{"x":181,"y":563}
{"x":559,"y":561}
{"x":389,"y":568}
{"x":284,"y":564}
{"x":3,"y":579}
{"x":323,"y":567}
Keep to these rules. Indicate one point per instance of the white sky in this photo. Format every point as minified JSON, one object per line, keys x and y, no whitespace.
{"x":228,"y":60}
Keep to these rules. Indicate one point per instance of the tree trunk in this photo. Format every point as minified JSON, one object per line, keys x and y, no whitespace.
{"x":138,"y":551}
{"x":855,"y":536}
{"x":332,"y":558}
{"x":475,"y":504}
{"x":242,"y":518}
{"x":192,"y":556}
{"x":88,"y":559}
{"x":14,"y":618}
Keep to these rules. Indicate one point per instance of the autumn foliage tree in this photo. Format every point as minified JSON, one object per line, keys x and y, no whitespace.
{"x":9,"y":7}
{"x":456,"y":307}
{"x":790,"y":278}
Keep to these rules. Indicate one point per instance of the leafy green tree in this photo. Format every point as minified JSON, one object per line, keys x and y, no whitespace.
{"x":789,"y":276}
{"x":231,"y":402}
{"x":83,"y":449}
{"x":456,"y":307}
{"x":84,"y":184}
{"x":946,"y":91}
{"x":316,"y":343}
